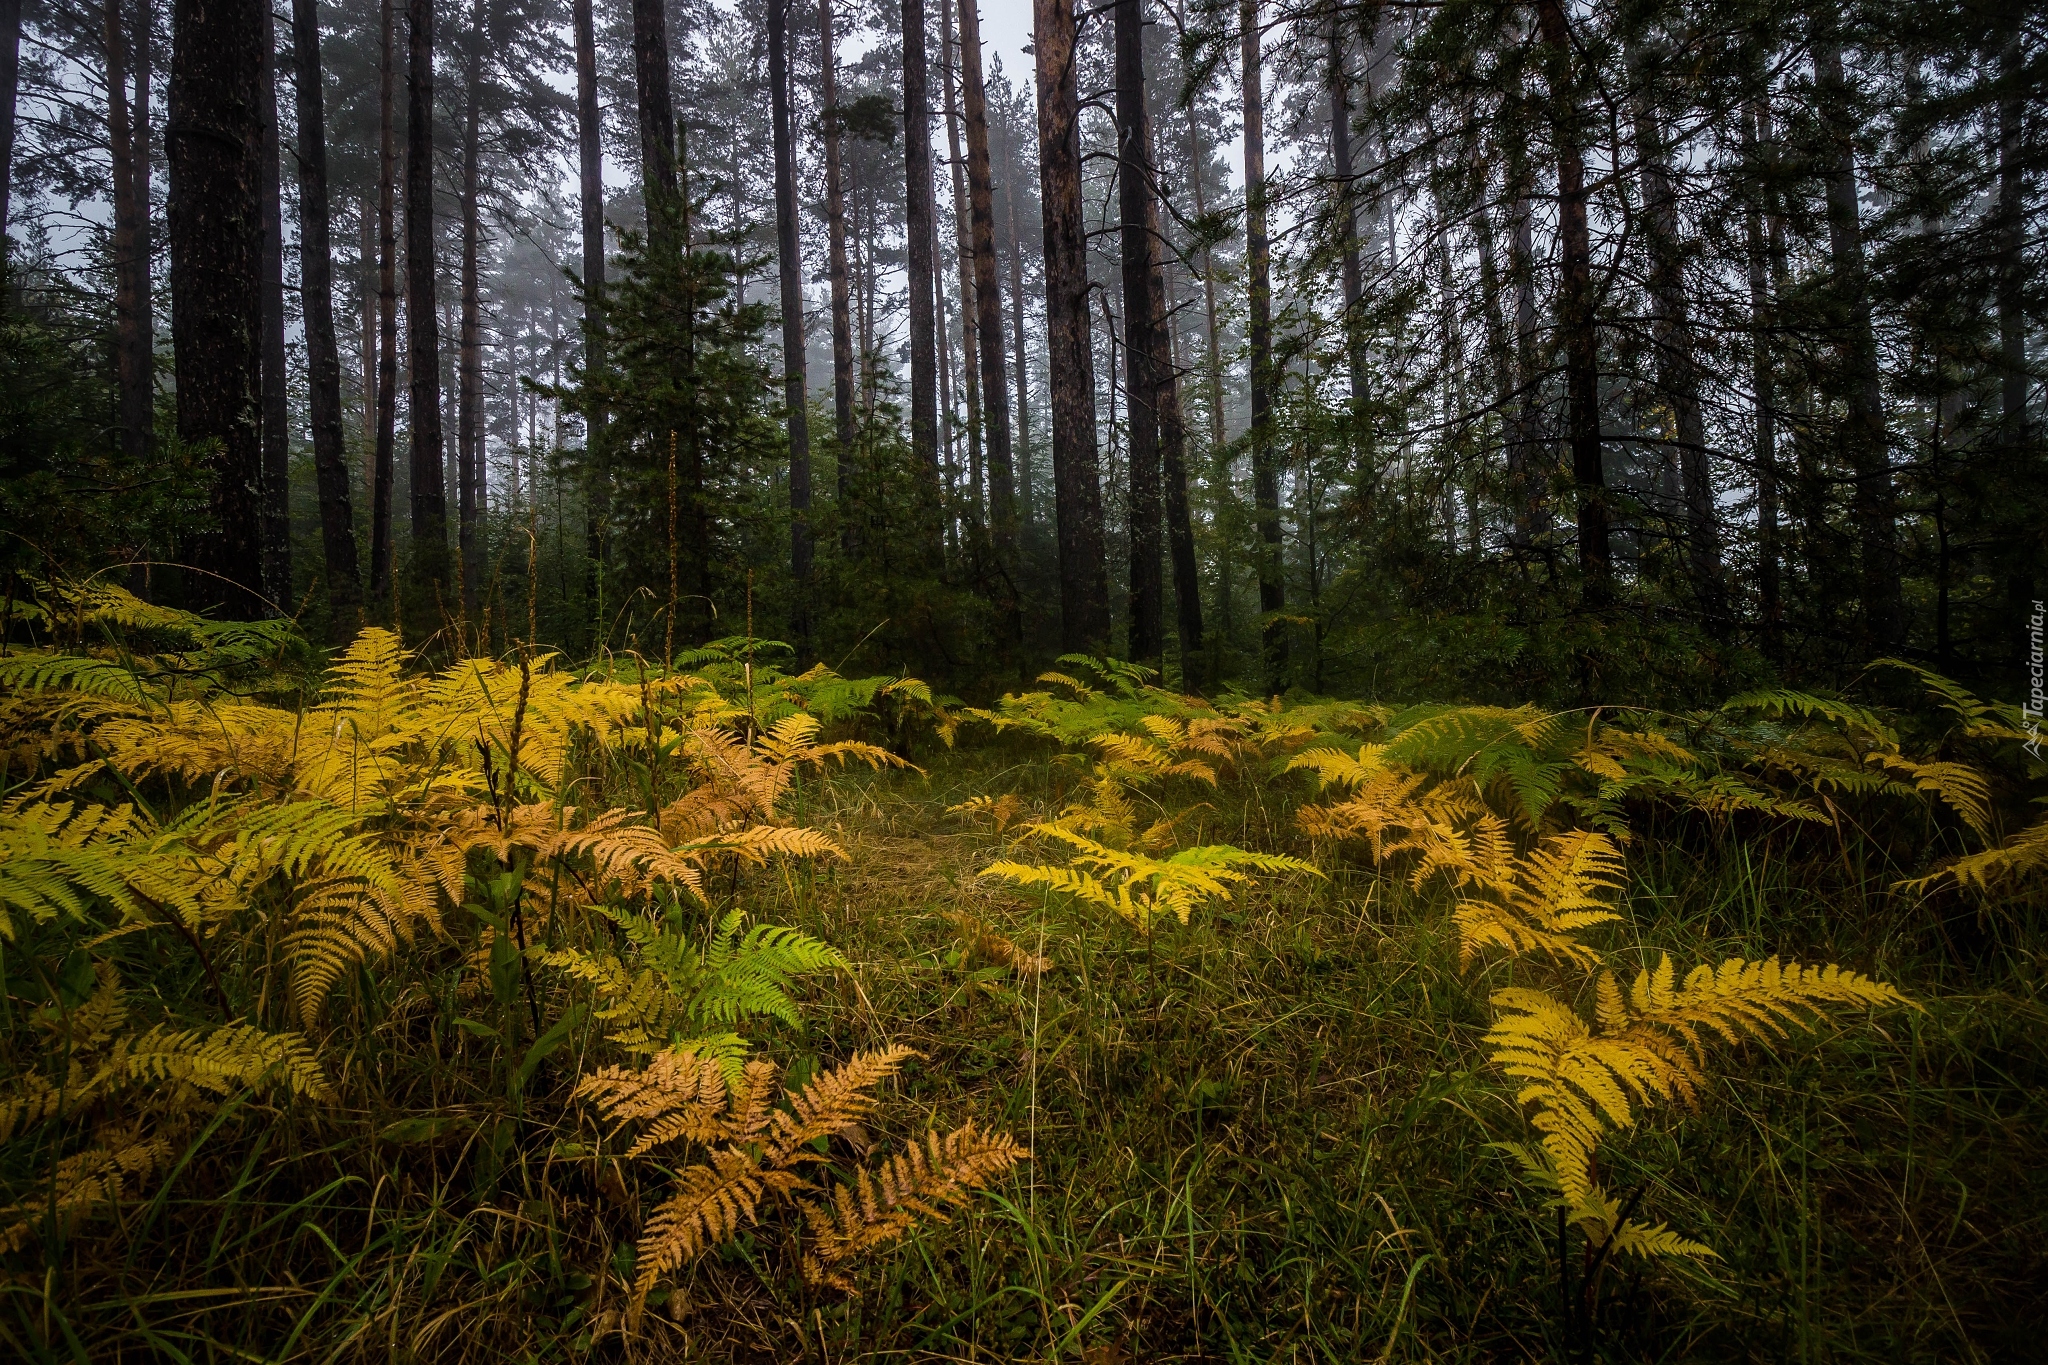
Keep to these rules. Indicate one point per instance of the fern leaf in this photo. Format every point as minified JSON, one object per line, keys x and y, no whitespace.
{"x":914,"y":1185}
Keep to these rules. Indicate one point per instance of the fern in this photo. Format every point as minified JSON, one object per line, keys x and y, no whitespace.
{"x":1139,"y":888}
{"x":753,"y":1151}
{"x":879,"y":1208}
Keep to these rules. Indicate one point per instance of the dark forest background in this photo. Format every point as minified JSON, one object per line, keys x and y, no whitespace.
{"x":1491,"y":350}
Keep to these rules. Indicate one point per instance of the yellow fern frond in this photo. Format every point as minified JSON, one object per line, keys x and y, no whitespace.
{"x":833,"y":1101}
{"x":221,"y":1060}
{"x":679,"y":1096}
{"x":711,"y":1202}
{"x":879,"y":1208}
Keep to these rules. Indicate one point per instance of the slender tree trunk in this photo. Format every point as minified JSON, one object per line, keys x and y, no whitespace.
{"x":1576,"y":306}
{"x":2023,"y":558}
{"x":1756,"y":131}
{"x":597,"y":494}
{"x":132,"y":368}
{"x":10,"y":85}
{"x":215,"y":224}
{"x":924,"y":352}
{"x":1070,"y":360}
{"x":963,"y":258}
{"x":1671,"y":332}
{"x":140,"y":279}
{"x":366,"y":272}
{"x":469,"y":369}
{"x":842,"y":320}
{"x":277,"y":460}
{"x":995,"y":394}
{"x":1212,"y":356}
{"x":382,"y":539}
{"x":1173,"y":450}
{"x":1137,"y":209}
{"x":658,"y":183}
{"x":323,"y":358}
{"x":1265,"y":464}
{"x":1024,"y":471}
{"x":1347,"y":229}
{"x":949,"y":449}
{"x":423,"y":339}
{"x":790,"y":266}
{"x":1863,"y":435}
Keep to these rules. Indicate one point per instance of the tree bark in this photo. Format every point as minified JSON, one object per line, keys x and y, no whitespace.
{"x":133,"y":370}
{"x":1173,"y":448}
{"x":1575,"y":306}
{"x":2012,"y":319}
{"x":142,"y":302}
{"x":10,"y":86}
{"x":657,"y":126}
{"x":1863,"y":436}
{"x":469,"y":370}
{"x":963,"y":258}
{"x":366,"y":271}
{"x":1137,"y":208}
{"x":790,"y":266}
{"x":924,"y":353}
{"x":1024,"y":472}
{"x":216,"y":230}
{"x":277,"y":459}
{"x":842,"y":317}
{"x":429,"y":567}
{"x":386,"y":478}
{"x":1070,"y":378}
{"x":1265,"y":465}
{"x":323,"y":358}
{"x":995,"y":394}
{"x":590,"y":178}
{"x":1353,"y":277}
{"x":1671,"y":333}
{"x":1763,"y":380}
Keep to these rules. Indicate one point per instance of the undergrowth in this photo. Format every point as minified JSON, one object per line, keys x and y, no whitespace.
{"x":510,"y":1010}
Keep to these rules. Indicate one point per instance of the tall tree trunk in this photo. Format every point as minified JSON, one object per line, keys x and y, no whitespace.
{"x":323,"y":358}
{"x":1576,"y":304}
{"x":366,"y":272}
{"x":429,"y":567}
{"x":597,"y":494}
{"x":1756,"y":131}
{"x":1070,"y":360}
{"x":2023,"y":558}
{"x":382,"y":539}
{"x":277,"y":459}
{"x":132,"y":369}
{"x":835,"y":239}
{"x":1265,"y":463}
{"x":963,"y":258}
{"x":790,"y":266}
{"x":141,"y":302}
{"x":995,"y":394}
{"x":1671,"y":333}
{"x":215,"y":226}
{"x":469,"y":369}
{"x":1024,"y":472}
{"x":1347,"y":228}
{"x":1137,"y":208}
{"x":10,"y":86}
{"x":658,"y":185}
{"x":924,"y":351}
{"x":1863,"y":435}
{"x":1173,"y":447}
{"x":1212,"y":353}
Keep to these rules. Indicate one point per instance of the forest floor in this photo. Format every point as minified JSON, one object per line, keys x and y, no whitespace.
{"x":1278,"y":1132}
{"x":1264,"y":1136}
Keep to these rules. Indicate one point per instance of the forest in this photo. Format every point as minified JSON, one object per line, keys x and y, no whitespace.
{"x":1169,"y":680}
